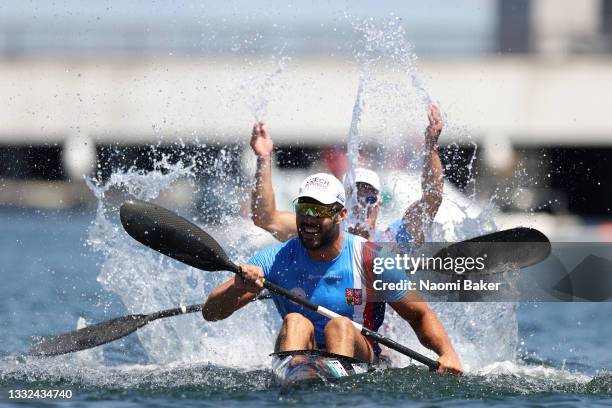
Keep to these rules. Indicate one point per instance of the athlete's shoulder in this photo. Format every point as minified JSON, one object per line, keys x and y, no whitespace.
{"x":359,"y":248}
{"x":271,"y":253}
{"x":351,"y":238}
{"x":286,"y":248}
{"x":353,"y":241}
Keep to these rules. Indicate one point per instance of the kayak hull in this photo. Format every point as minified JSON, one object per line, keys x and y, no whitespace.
{"x":298,"y":366}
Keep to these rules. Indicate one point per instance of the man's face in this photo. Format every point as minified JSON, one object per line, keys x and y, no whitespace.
{"x":318,"y":225}
{"x":366,"y":208}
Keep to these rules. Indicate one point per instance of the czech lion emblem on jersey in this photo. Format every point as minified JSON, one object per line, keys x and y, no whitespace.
{"x":353,"y":296}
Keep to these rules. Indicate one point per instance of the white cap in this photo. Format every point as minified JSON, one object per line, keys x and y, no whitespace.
{"x":363,"y":175}
{"x":323,"y":187}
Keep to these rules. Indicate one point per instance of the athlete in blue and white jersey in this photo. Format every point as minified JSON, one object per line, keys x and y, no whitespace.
{"x":411,"y":227}
{"x":336,"y":284}
{"x":329,"y":267}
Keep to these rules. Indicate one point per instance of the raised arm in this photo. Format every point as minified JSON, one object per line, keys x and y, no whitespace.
{"x":429,"y":330}
{"x":281,"y":224}
{"x":421,"y":213}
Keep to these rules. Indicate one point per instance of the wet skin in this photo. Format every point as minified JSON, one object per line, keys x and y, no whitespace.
{"x":315,"y":232}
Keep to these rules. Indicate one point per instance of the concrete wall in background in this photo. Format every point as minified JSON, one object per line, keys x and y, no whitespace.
{"x":525,"y":100}
{"x":565,"y":26}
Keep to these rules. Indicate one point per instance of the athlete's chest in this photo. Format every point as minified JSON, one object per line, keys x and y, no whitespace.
{"x":319,"y":280}
{"x":312,"y":275}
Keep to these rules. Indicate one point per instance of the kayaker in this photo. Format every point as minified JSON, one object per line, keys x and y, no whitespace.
{"x":416,"y":219}
{"x":327,"y":266}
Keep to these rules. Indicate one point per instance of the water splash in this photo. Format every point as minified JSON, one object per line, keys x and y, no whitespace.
{"x":389,"y":72}
{"x":183,"y":354}
{"x":353,"y":147}
{"x":147,"y":281}
{"x":384,"y":47}
{"x":258,"y":90}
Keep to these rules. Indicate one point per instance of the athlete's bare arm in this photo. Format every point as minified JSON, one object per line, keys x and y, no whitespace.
{"x":421,"y":213}
{"x":429,"y":330}
{"x":281,"y":224}
{"x":233,"y":294}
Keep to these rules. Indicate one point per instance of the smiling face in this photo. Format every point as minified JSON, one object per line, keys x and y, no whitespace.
{"x":318,"y":225}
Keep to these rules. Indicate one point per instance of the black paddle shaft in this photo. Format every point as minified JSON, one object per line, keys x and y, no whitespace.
{"x":175,"y":312}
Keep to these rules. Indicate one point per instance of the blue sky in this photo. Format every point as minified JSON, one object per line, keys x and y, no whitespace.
{"x":466,"y":25}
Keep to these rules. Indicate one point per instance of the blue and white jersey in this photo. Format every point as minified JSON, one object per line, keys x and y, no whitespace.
{"x":335,"y":284}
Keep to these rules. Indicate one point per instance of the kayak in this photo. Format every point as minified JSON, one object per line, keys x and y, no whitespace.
{"x":292,"y":367}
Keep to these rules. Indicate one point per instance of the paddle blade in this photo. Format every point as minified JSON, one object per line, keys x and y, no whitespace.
{"x":517,"y":247}
{"x":174,"y":236}
{"x":518,"y":234}
{"x":90,"y":336}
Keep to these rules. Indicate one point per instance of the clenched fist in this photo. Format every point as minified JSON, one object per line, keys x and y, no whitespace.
{"x":250,"y":278}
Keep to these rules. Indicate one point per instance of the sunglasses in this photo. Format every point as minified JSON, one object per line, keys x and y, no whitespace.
{"x":314,"y":210}
{"x":367,"y":200}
